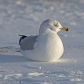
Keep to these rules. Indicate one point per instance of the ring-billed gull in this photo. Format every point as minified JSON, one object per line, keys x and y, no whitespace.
{"x":47,"y":46}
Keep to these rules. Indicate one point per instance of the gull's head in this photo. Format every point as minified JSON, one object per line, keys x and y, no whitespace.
{"x":51,"y":26}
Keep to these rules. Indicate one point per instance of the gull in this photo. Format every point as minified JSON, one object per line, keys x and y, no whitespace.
{"x":45,"y":47}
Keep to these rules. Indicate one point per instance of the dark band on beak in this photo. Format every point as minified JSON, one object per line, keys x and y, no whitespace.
{"x":67,"y":29}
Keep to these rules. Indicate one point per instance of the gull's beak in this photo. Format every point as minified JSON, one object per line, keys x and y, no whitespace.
{"x":65,"y":29}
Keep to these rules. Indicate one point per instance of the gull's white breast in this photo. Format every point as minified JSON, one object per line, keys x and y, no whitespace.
{"x":48,"y":48}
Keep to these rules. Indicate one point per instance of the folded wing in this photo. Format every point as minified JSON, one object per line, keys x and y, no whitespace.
{"x":27,"y":42}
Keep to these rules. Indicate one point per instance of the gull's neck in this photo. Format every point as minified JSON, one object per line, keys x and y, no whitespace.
{"x":47,"y":33}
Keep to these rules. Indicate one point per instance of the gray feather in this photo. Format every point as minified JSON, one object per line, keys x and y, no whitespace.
{"x":28,"y":43}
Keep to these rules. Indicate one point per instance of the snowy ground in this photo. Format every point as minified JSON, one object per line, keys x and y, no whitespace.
{"x":25,"y":17}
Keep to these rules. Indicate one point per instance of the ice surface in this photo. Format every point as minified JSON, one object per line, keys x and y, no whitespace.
{"x":25,"y":17}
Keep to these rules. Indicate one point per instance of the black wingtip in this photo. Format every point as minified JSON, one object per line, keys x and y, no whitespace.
{"x":22,"y":37}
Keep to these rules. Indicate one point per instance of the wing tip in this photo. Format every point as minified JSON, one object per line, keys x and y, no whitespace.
{"x":21,"y":38}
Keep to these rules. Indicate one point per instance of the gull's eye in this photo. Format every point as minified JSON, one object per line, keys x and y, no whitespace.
{"x":56,"y":25}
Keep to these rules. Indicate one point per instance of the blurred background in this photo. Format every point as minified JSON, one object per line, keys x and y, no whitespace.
{"x":25,"y":17}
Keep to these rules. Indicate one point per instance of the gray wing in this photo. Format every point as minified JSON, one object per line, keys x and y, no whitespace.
{"x":28,"y":43}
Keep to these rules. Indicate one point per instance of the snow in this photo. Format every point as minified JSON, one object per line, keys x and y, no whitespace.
{"x":25,"y":17}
